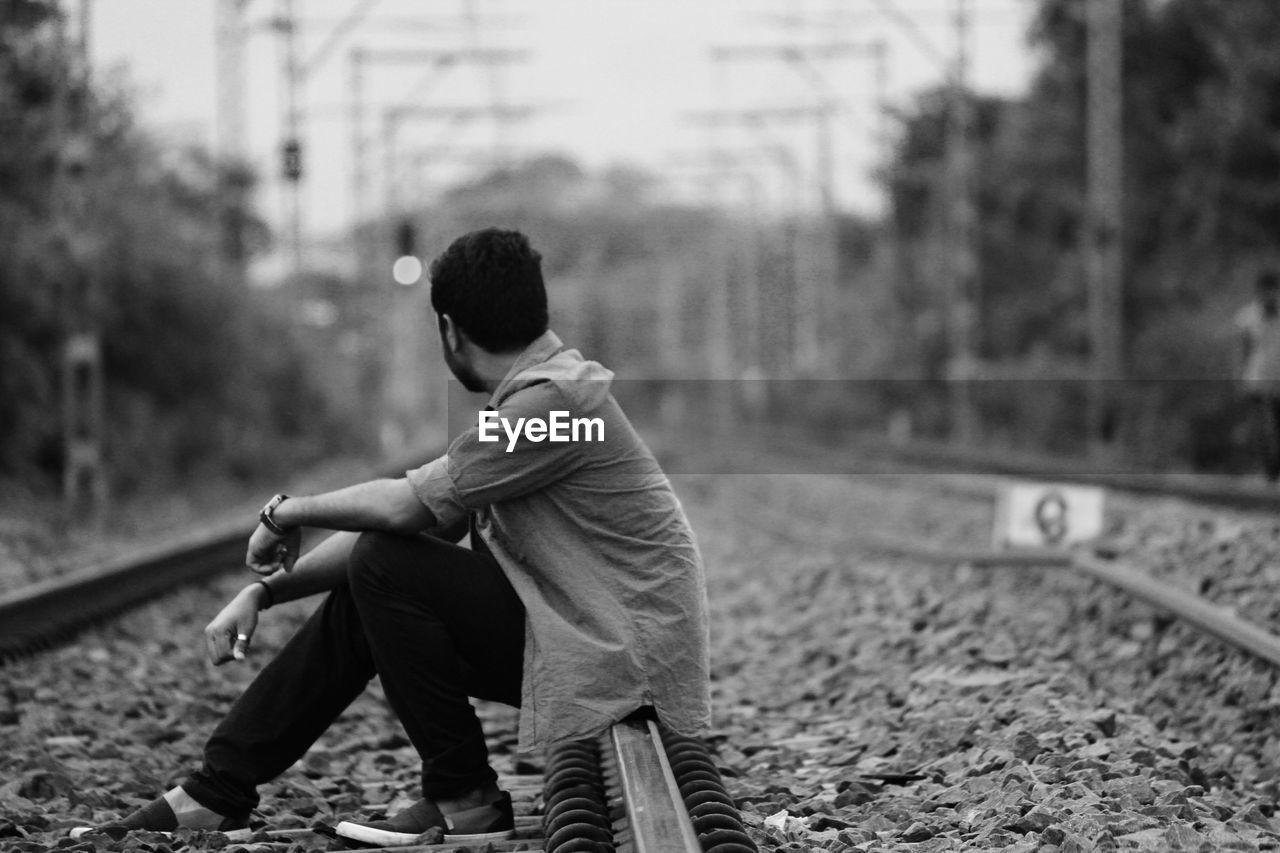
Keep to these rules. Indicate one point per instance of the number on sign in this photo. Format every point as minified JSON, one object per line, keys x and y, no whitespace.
{"x":1051,"y":517}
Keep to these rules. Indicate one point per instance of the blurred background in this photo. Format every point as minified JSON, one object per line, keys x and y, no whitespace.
{"x":1022,"y":224}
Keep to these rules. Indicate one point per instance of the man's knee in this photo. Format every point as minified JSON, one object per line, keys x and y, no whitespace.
{"x":380,"y":558}
{"x":372,"y":556}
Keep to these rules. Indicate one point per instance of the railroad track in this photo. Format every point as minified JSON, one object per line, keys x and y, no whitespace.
{"x":1195,"y":610}
{"x":1095,"y":563}
{"x":42,"y":614}
{"x":636,"y":789}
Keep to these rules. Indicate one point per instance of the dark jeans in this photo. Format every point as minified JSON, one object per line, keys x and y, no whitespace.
{"x":435,"y":621}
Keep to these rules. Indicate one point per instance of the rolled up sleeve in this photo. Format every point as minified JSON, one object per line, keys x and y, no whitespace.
{"x":435,"y":488}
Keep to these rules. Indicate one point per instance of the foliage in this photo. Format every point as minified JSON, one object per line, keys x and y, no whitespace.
{"x":1202,"y":214}
{"x":105,"y":227}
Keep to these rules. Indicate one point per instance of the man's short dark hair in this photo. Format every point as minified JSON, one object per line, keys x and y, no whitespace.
{"x":490,"y":283}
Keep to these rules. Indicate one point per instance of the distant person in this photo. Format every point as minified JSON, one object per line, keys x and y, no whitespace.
{"x":581,"y":599}
{"x":1259,"y":324}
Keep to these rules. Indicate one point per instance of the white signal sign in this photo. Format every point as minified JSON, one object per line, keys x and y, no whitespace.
{"x":1040,"y":515}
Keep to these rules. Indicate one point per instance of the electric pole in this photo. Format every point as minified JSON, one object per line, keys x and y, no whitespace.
{"x":229,"y":45}
{"x":1104,"y":250}
{"x":391,"y":307}
{"x":493,"y":77}
{"x":407,"y":386}
{"x":806,"y":356}
{"x":812,"y":354}
{"x":233,"y":176}
{"x":359,"y":163}
{"x":295,"y":75}
{"x":291,"y":147}
{"x":360,"y":61}
{"x":963,"y":272}
{"x":83,"y":383}
{"x":739,"y":301}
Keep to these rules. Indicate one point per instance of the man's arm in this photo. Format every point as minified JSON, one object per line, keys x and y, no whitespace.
{"x":389,"y":505}
{"x":324,"y":566}
{"x":319,"y":570}
{"x":376,"y":505}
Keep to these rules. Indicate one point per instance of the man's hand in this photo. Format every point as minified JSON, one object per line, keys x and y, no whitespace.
{"x":269,"y":551}
{"x":227,"y":636}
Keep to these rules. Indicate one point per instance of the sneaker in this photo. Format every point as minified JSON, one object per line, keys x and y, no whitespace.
{"x":158,"y":816}
{"x":492,"y":822}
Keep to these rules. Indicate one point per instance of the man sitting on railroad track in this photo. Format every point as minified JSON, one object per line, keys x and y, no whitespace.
{"x":581,"y":599}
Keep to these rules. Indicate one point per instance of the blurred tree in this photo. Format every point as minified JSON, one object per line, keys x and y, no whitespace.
{"x":202,"y":375}
{"x":1202,"y":151}
{"x":30,"y":329}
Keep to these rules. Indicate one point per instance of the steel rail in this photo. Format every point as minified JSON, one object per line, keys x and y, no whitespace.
{"x":1215,"y":620}
{"x":1195,"y":610}
{"x":44,"y":613}
{"x":657,"y":818}
{"x":1208,"y":617}
{"x":619,"y":792}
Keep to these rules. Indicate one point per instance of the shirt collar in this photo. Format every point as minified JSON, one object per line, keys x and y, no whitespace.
{"x":539,"y":350}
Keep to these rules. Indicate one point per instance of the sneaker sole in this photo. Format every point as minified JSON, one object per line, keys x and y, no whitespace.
{"x":231,"y":834}
{"x":503,"y":835}
{"x":386,"y":837}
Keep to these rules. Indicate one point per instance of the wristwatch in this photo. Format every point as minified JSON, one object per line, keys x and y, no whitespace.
{"x":267,"y":517}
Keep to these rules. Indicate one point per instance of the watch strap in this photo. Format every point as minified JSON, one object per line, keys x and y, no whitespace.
{"x":267,"y":515}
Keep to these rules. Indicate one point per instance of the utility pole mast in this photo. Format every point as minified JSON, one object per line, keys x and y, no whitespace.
{"x":391,"y":307}
{"x":291,"y":147}
{"x":438,"y":61}
{"x":229,"y":49}
{"x":1104,"y":250}
{"x":359,"y":163}
{"x":738,"y":300}
{"x":812,"y":355}
{"x":406,"y":388}
{"x":83,"y":392}
{"x":806,"y":338}
{"x":493,"y":77}
{"x":961,"y":190}
{"x":230,"y":142}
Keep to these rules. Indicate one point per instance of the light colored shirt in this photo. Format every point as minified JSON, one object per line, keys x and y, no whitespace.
{"x":596,"y":545}
{"x":1262,"y":367}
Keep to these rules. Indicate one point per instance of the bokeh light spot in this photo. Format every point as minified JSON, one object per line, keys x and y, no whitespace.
{"x":407,"y":270}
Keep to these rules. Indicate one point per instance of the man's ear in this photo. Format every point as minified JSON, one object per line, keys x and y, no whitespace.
{"x":449,"y":332}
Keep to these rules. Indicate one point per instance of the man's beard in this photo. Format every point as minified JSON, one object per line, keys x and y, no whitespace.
{"x":464,"y":375}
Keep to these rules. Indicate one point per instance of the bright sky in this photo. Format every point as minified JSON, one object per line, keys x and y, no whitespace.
{"x":619,"y":79}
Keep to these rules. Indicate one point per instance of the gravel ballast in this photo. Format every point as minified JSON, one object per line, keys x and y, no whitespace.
{"x":861,"y":702}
